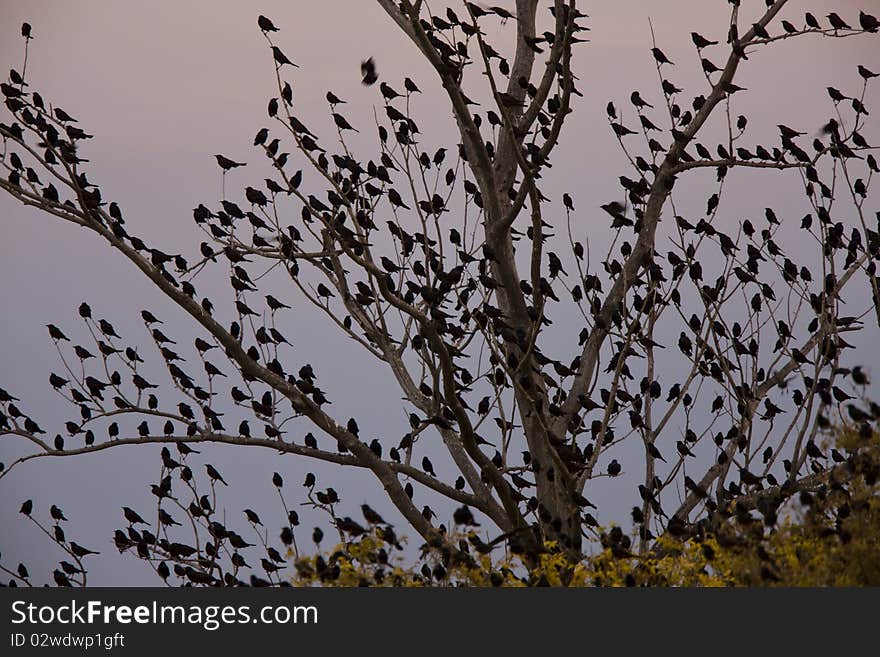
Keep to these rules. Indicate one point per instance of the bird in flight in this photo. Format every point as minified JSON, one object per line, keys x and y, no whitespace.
{"x":368,"y":71}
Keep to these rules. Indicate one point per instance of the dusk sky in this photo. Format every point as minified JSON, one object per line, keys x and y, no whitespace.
{"x":163,"y":86}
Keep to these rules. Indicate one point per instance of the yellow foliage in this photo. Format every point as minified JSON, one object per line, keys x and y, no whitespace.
{"x":831,"y":539}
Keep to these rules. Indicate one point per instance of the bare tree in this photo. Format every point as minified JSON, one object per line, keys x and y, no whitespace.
{"x":455,"y":291}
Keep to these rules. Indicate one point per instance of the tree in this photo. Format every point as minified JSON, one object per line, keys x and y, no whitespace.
{"x":447,"y":266}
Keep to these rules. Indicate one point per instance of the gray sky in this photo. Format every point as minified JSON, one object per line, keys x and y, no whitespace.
{"x":164,"y":85}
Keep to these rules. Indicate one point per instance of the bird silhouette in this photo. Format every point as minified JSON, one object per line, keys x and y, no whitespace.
{"x":226,"y":164}
{"x":369,"y":76}
{"x":265,"y":24}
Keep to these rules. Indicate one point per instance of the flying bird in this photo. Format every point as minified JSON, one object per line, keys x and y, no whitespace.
{"x":368,"y":72}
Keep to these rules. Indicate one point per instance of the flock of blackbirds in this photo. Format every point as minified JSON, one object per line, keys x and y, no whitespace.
{"x":453,"y":290}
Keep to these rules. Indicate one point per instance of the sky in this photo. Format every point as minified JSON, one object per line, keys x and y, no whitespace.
{"x":163,"y":86}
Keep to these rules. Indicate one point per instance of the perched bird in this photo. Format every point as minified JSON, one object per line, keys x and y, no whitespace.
{"x":837,"y":22}
{"x":866,"y":73}
{"x":701,"y":42}
{"x":80,"y":551}
{"x":342,"y":123}
{"x":410,"y":86}
{"x":868,"y":22}
{"x":265,"y":24}
{"x":708,"y":66}
{"x":637,"y":100}
{"x":61,"y":579}
{"x":387,"y":92}
{"x":280,"y":58}
{"x":274,"y":304}
{"x":132,"y":516}
{"x":261,"y":136}
{"x":621,"y":130}
{"x":214,"y":475}
{"x":166,"y":519}
{"x":350,"y":526}
{"x":464,"y":516}
{"x":617,"y":210}
{"x":55,"y":333}
{"x":835,"y":95}
{"x":396,"y":200}
{"x":371,"y":516}
{"x":760,"y":31}
{"x":659,"y":56}
{"x":226,"y":164}
{"x":63,"y":116}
